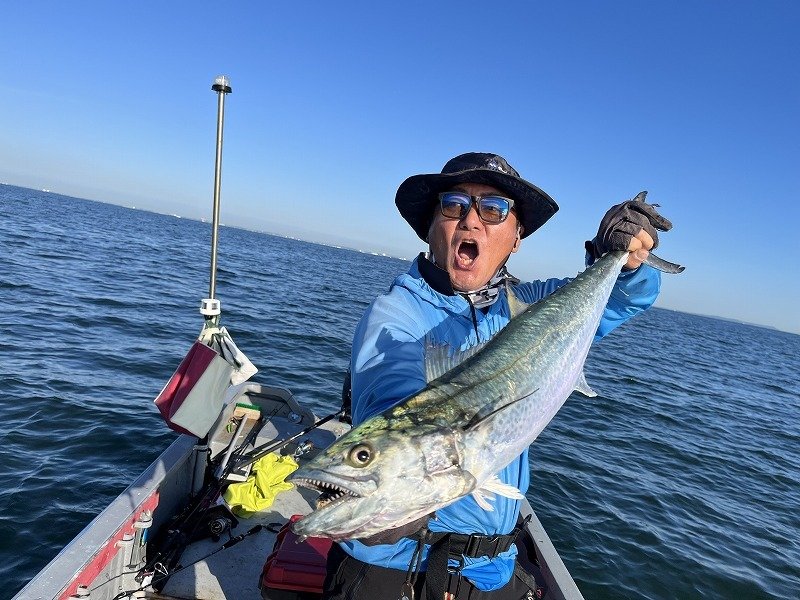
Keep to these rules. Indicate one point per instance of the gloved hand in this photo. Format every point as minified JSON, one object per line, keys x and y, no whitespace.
{"x":629,"y":226}
{"x":390,"y":536}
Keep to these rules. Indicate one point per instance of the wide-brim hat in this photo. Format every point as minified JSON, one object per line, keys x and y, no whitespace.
{"x":417,"y":195}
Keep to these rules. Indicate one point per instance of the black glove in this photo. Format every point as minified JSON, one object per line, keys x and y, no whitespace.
{"x":390,"y":536}
{"x":622,"y":222}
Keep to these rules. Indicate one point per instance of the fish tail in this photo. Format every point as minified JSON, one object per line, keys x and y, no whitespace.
{"x":663,"y":265}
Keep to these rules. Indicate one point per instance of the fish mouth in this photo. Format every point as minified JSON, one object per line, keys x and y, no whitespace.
{"x":330,"y":493}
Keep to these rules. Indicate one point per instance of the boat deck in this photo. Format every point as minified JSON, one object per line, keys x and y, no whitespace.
{"x":235,"y":573}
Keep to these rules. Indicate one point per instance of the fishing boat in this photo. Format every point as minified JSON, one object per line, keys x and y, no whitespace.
{"x":171,"y":535}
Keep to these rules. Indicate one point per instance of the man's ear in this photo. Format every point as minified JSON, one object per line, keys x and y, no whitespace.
{"x":518,"y":241}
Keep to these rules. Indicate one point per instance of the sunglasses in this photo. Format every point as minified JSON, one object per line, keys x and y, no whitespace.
{"x":491,"y":209}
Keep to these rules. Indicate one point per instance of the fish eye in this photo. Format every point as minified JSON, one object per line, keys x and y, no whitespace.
{"x":360,"y":455}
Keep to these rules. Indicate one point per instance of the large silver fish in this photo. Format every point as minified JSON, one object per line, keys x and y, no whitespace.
{"x":451,"y":438}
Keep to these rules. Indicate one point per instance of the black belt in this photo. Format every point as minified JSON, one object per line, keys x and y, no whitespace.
{"x":472,"y":545}
{"x":445,"y":545}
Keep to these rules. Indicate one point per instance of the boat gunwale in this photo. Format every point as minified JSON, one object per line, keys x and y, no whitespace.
{"x":109,"y":526}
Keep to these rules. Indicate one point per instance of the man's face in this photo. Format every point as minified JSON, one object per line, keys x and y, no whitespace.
{"x":470,"y":250}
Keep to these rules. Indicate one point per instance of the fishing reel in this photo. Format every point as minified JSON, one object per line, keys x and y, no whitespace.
{"x":297,"y":450}
{"x":214,"y":523}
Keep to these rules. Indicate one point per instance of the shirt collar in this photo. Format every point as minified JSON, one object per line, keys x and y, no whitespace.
{"x":439,"y":280}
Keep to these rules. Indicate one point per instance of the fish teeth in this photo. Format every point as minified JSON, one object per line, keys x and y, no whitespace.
{"x":328,"y":492}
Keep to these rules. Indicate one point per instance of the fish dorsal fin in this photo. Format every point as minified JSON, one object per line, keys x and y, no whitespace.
{"x":441,"y":358}
{"x":494,"y":487}
{"x":515,"y":305}
{"x":583,"y":387}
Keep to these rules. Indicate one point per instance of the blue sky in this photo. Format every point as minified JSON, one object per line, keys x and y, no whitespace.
{"x":335,"y":103}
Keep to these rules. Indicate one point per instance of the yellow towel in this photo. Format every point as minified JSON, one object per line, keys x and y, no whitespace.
{"x":265,"y":482}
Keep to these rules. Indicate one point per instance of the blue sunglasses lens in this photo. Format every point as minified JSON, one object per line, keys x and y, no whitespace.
{"x":491,"y":209}
{"x":455,"y":205}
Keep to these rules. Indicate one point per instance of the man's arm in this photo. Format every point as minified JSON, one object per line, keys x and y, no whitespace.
{"x":632,"y":226}
{"x":634,"y":292}
{"x":388,"y":359}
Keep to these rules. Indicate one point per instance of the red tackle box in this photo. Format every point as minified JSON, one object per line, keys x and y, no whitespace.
{"x":295,"y":566}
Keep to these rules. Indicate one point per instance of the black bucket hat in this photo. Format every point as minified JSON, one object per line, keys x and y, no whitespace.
{"x":417,"y":195}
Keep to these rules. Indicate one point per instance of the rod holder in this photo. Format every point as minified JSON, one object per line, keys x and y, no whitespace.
{"x":210,"y":307}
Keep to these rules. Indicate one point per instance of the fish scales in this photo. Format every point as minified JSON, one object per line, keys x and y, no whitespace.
{"x":453,"y":436}
{"x":536,"y":360}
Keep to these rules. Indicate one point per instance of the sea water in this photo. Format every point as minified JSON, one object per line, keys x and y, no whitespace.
{"x":680,"y":480}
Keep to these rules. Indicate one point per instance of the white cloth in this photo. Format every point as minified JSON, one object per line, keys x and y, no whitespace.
{"x":220,"y":340}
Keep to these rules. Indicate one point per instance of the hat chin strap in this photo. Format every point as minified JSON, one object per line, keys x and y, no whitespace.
{"x":489,"y":293}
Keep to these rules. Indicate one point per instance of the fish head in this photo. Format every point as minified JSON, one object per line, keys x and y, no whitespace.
{"x":377,"y":477}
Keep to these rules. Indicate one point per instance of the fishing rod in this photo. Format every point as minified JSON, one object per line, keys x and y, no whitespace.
{"x":184,"y":526}
{"x":164,"y":576}
{"x":261,"y":451}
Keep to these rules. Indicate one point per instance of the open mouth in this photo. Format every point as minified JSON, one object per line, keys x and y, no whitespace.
{"x":467,"y":252}
{"x":329,"y":492}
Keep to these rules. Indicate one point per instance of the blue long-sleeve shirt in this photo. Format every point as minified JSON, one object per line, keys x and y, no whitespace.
{"x":388,"y":365}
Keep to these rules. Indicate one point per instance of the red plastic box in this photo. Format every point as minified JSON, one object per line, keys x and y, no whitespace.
{"x":296,"y":566}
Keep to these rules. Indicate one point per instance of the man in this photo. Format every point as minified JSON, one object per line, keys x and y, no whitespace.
{"x":473,"y":215}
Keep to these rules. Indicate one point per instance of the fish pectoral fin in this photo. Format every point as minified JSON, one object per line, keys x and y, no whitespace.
{"x":482,"y":499}
{"x":493,"y":487}
{"x":496,"y":486}
{"x":583,"y":387}
{"x":441,"y":358}
{"x":515,"y":305}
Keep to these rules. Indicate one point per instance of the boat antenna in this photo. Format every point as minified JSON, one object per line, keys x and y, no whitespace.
{"x":210,"y":307}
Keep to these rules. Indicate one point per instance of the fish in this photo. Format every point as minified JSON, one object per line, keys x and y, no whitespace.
{"x":480,"y":409}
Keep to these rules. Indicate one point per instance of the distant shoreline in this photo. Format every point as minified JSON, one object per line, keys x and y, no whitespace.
{"x":341,"y":246}
{"x":331,"y":244}
{"x":728,"y":319}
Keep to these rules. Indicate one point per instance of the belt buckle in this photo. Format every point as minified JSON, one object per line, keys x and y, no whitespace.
{"x":473,"y":544}
{"x":495,"y":542}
